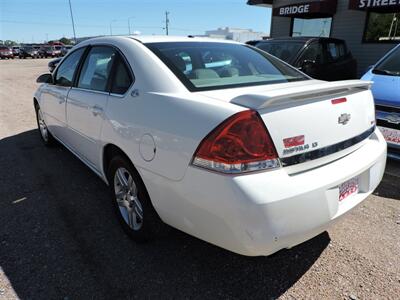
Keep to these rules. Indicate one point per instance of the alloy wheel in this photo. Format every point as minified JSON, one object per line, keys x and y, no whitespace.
{"x":42,"y":126}
{"x":126,"y":195}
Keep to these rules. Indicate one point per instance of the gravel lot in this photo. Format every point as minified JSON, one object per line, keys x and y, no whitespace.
{"x":59,"y":238}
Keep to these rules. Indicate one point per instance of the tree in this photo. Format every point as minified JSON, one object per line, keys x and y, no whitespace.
{"x":65,"y":41}
{"x":9,"y":43}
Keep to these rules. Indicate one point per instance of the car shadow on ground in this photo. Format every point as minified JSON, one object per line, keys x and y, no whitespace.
{"x":59,"y":239}
{"x":390,"y":185}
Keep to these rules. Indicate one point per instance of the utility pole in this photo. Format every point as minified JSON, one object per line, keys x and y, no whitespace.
{"x":129,"y":24}
{"x":111,"y":33}
{"x":72,"y":18}
{"x":166,"y":22}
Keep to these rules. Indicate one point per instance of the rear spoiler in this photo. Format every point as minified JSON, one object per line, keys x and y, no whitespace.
{"x":299,"y":94}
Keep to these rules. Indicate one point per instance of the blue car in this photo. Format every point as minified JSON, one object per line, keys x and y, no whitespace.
{"x":386,"y":89}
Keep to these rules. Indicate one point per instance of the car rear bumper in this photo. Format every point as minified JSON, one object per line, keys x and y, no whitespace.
{"x":261,"y":213}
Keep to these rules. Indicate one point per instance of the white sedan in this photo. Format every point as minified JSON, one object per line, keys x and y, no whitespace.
{"x":216,"y":138}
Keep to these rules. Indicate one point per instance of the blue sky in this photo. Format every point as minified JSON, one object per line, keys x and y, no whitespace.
{"x":37,"y":20}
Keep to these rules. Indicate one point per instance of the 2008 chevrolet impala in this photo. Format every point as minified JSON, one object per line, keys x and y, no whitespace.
{"x":216,"y":138}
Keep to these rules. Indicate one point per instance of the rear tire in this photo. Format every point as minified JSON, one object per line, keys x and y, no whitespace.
{"x":44,"y":132}
{"x":131,"y":201}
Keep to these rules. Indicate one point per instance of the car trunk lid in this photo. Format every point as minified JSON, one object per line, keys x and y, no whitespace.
{"x":312,"y":120}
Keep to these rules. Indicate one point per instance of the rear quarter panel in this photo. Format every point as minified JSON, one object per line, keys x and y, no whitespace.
{"x":177,"y":124}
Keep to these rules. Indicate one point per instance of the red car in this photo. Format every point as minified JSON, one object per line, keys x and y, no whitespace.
{"x":6,"y":52}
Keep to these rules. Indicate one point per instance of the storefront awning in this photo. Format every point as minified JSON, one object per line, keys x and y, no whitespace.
{"x":375,"y":5}
{"x":267,"y":3}
{"x":300,"y":8}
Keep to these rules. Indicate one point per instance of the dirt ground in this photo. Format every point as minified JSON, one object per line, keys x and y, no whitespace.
{"x":59,"y":238}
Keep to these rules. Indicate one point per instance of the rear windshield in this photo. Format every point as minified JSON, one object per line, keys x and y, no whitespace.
{"x":390,"y":65}
{"x":208,"y":66}
{"x":283,"y":50}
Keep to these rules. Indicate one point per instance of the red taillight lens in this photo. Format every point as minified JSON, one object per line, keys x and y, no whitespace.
{"x":240,"y":144}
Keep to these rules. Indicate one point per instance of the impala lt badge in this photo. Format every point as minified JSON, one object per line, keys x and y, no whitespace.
{"x":344,"y":119}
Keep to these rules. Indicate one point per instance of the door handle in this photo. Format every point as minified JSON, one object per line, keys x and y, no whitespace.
{"x":96,"y":110}
{"x":62,"y":100}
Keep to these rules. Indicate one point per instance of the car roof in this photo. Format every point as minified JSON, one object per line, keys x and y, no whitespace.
{"x":160,"y":39}
{"x":303,"y":39}
{"x":164,"y":38}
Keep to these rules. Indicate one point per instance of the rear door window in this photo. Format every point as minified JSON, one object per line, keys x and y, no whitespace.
{"x":96,"y":68}
{"x":122,"y":79}
{"x":65,"y":72}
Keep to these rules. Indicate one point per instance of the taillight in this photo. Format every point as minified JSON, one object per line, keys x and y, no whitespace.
{"x":239,"y":144}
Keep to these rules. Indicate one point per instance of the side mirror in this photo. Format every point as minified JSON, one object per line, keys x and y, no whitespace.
{"x":45,"y":78}
{"x":307,"y":65}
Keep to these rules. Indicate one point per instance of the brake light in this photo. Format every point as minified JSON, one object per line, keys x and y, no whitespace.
{"x":338,"y":101}
{"x":239,"y":144}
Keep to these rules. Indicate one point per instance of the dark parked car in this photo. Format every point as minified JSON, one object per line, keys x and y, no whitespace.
{"x":28,"y":51}
{"x":53,"y":64}
{"x":15,"y":50}
{"x":6,"y":52}
{"x":321,"y":58}
{"x":52,"y":51}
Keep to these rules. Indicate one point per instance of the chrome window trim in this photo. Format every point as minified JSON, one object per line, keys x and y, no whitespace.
{"x":90,"y":90}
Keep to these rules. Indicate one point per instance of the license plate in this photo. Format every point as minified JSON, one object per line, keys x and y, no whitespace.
{"x":391,"y":135}
{"x":348,"y":188}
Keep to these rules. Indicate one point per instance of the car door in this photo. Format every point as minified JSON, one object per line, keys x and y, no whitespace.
{"x":54,"y":96}
{"x":311,"y":61}
{"x":87,"y":101}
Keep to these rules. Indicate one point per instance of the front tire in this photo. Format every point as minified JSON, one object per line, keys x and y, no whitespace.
{"x":44,"y":132}
{"x":131,"y":201}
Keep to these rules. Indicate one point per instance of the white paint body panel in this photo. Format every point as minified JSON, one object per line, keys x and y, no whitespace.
{"x":253,"y":214}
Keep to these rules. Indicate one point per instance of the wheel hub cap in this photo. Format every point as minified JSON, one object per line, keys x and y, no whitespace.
{"x":42,"y":126}
{"x":126,"y":194}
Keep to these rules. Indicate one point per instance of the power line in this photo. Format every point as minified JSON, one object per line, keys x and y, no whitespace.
{"x":78,"y":25}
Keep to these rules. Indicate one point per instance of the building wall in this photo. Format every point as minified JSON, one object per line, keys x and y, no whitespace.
{"x":280,"y":26}
{"x":235,"y":34}
{"x":347,"y":25}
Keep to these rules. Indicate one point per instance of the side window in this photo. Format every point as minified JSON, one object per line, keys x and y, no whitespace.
{"x":313,"y":52}
{"x":122,"y":77}
{"x":65,"y":72}
{"x":336,"y":51}
{"x":96,"y":69}
{"x":333,"y":51}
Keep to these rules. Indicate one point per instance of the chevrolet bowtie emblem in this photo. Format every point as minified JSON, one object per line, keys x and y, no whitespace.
{"x":344,"y":119}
